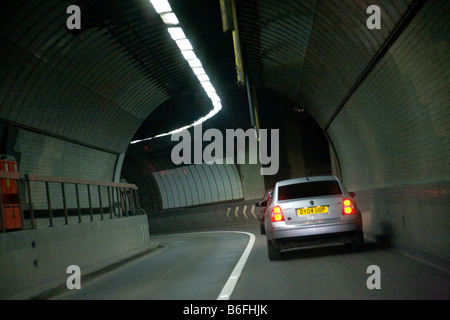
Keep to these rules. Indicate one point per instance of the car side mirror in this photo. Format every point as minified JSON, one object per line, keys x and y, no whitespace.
{"x":263,"y":203}
{"x":352,"y":194}
{"x":256,"y":204}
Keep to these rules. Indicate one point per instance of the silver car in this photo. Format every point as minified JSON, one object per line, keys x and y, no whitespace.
{"x":311,"y":210}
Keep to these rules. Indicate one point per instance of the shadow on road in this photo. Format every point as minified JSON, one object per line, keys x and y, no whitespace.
{"x":327,"y":250}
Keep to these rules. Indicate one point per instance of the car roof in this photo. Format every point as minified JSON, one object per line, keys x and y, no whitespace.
{"x":306,"y":179}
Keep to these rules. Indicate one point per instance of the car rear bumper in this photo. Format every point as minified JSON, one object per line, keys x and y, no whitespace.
{"x":337,"y":231}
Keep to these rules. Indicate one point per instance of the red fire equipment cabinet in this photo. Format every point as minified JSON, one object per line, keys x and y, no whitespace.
{"x":10,"y":198}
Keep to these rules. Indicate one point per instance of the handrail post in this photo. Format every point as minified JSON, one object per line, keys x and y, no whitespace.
{"x":30,"y":202}
{"x":19,"y":198}
{"x":119,"y":200}
{"x":90,"y":202}
{"x":63,"y":190}
{"x":108,"y":189}
{"x":138,"y":200}
{"x":127,"y":202}
{"x":120,"y":195}
{"x":133,"y":207}
{"x":112,"y":201}
{"x":50,"y":214}
{"x":100,"y":201}
{"x":77,"y":194}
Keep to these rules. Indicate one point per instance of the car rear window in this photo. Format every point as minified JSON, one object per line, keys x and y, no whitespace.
{"x":309,"y":190}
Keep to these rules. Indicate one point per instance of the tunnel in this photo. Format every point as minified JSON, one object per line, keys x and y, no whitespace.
{"x":105,"y":123}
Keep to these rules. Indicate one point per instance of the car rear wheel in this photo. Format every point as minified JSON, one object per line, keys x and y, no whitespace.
{"x":273,"y":250}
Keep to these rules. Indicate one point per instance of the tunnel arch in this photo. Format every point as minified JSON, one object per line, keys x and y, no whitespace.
{"x":380,"y":95}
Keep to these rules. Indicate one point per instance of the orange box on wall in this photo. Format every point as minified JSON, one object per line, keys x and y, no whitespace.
{"x":10,"y":197}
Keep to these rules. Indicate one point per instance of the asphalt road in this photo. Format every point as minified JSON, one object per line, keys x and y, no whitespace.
{"x":199,"y":266}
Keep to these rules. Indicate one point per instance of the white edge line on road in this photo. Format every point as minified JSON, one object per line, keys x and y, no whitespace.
{"x":228,"y":288}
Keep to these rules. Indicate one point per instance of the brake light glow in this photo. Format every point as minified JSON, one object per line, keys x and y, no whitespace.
{"x":277,"y":214}
{"x":348,"y":207}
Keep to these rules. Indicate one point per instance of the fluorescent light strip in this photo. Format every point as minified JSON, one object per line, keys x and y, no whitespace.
{"x":202,"y":77}
{"x":163,"y":8}
{"x":217,"y":105}
{"x":170,"y":18}
{"x":188,"y":54}
{"x":176,"y":33}
{"x":195,"y":63}
{"x":184,"y":44}
{"x":199,"y":71}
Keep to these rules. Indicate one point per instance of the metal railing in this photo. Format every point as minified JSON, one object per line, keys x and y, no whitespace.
{"x":121,"y":199}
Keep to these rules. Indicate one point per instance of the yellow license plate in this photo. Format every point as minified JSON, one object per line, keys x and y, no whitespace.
{"x":312,"y":210}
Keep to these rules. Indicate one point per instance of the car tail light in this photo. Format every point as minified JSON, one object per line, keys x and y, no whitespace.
{"x":348,"y":207}
{"x":277,"y":214}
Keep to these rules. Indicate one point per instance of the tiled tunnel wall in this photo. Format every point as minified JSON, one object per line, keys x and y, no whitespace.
{"x":44,"y":155}
{"x":393,"y":137}
{"x":199,"y":184}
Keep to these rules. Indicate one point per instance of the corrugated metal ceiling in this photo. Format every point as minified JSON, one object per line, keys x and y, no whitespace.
{"x":105,"y":78}
{"x":97,"y":85}
{"x":313,"y":51}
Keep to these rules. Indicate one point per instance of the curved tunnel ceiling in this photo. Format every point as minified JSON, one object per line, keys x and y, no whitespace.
{"x":324,"y":49}
{"x":97,"y":85}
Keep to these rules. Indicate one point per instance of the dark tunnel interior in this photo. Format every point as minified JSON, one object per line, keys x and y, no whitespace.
{"x":94,"y":100}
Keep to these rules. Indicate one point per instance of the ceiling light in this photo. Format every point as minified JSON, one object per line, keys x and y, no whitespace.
{"x":195,"y":63}
{"x":206,"y":84}
{"x":210,"y":90}
{"x":198,"y":71}
{"x":161,"y":6}
{"x":180,"y":129}
{"x":203,"y":77}
{"x":176,"y":33}
{"x":211,"y":114}
{"x":189,"y":54}
{"x":213,"y":96}
{"x":170,"y":18}
{"x":217,"y":105}
{"x":184,"y":44}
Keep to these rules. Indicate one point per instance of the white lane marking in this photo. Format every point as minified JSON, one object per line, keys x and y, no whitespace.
{"x":228,"y":288}
{"x":175,"y":243}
